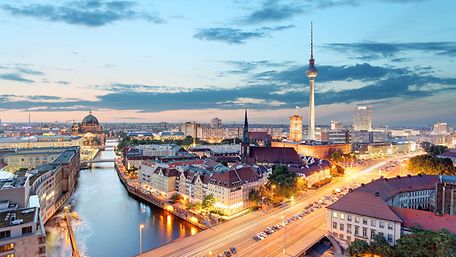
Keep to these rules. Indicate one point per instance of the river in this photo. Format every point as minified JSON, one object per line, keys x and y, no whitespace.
{"x":109,"y":218}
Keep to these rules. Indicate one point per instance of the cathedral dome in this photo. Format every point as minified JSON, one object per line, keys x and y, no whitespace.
{"x":90,"y":119}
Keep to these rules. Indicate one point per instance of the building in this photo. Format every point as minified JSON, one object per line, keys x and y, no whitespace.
{"x":336,"y":125}
{"x":388,"y":207}
{"x":295,"y":128}
{"x":443,"y":201}
{"x":260,"y":138}
{"x":171,"y":135}
{"x":54,"y":183}
{"x":362,"y":215}
{"x":335,"y":136}
{"x":270,"y":156}
{"x":14,"y":192}
{"x":30,"y":158}
{"x":362,"y":118}
{"x":320,"y":150}
{"x":311,"y":74}
{"x":22,"y":233}
{"x":39,"y":141}
{"x":314,"y":171}
{"x":440,"y":128}
{"x":245,"y":144}
{"x":216,"y":123}
{"x":90,"y":130}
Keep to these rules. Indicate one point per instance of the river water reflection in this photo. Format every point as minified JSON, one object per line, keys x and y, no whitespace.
{"x":110,"y":218}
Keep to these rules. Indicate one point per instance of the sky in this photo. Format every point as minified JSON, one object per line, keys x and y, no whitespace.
{"x":181,"y":60}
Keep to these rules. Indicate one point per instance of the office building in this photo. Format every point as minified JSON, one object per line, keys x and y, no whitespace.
{"x":216,"y":123}
{"x":362,"y":118}
{"x":443,"y":201}
{"x":336,"y":125}
{"x":22,"y":233}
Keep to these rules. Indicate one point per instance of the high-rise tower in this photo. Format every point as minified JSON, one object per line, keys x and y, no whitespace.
{"x":295,"y":127}
{"x":311,"y":74}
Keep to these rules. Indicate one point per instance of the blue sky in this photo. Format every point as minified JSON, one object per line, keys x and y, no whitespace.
{"x":177,"y":60}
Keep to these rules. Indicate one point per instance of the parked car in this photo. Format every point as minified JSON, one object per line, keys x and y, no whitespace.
{"x":233,"y":249}
{"x":227,"y":253}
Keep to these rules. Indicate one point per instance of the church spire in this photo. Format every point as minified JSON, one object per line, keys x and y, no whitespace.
{"x":245,"y":145}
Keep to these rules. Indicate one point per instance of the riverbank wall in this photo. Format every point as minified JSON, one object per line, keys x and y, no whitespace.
{"x":148,"y":198}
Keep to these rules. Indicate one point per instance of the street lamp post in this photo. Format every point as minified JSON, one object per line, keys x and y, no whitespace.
{"x":141,"y":226}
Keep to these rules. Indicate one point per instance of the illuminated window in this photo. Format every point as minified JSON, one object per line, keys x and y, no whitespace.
{"x":6,"y":247}
{"x":342,"y":216}
{"x":335,"y":214}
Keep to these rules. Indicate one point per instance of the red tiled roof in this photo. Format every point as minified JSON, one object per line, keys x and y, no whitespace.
{"x":365,"y":204}
{"x":389,"y":187}
{"x":310,"y":169}
{"x":234,"y":177}
{"x":183,"y":163}
{"x":426,"y":220}
{"x":259,"y":135}
{"x":276,"y":155}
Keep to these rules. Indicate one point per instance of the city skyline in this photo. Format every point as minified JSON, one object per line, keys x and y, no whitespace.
{"x":175,"y":61}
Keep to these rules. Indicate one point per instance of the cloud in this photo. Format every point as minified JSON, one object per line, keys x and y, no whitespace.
{"x":90,"y":13}
{"x":364,"y":72}
{"x":15,"y":77}
{"x":234,"y":35}
{"x":273,"y":10}
{"x":274,"y":89}
{"x":29,"y":71}
{"x":376,"y":50}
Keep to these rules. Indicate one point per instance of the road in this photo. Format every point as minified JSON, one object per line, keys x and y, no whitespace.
{"x":239,"y":232}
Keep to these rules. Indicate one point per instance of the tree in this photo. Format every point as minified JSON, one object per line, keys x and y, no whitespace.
{"x":175,"y":197}
{"x":432,"y":149}
{"x":427,"y":243}
{"x":358,"y":248}
{"x":255,"y":196}
{"x":380,"y":246}
{"x":431,"y":165}
{"x":208,"y":202}
{"x":337,"y":170}
{"x":284,"y":180}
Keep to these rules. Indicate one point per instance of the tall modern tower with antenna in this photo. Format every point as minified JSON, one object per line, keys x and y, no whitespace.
{"x":311,"y":74}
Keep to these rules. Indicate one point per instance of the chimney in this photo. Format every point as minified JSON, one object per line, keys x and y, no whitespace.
{"x":399,"y":177}
{"x":362,"y":184}
{"x":408,"y":175}
{"x":377,"y":194}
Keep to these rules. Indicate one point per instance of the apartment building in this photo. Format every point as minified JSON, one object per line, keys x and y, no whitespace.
{"x":22,"y":233}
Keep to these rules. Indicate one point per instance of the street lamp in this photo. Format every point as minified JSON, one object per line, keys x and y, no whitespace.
{"x":141,"y":226}
{"x":284,"y":234}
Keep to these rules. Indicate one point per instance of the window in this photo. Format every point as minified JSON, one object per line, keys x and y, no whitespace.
{"x":6,"y":247}
{"x":349,"y":228}
{"x":382,"y":225}
{"x":349,"y":217}
{"x":390,"y":226}
{"x":334,"y":225}
{"x":341,"y":227}
{"x":372,"y":233}
{"x":356,"y":230}
{"x":5,"y":234}
{"x":380,"y":233}
{"x":342,"y":216}
{"x":357,"y":219}
{"x":373,"y":223}
{"x":349,"y":238}
{"x":26,"y":230}
{"x":390,"y":238}
{"x":335,"y":214}
{"x":341,"y":236}
{"x":364,"y":232}
{"x":364,"y":221}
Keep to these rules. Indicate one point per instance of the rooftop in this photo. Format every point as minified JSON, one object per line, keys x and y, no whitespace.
{"x":426,"y":220}
{"x":366,"y":204}
{"x":389,"y":187}
{"x":279,"y":155}
{"x":16,"y":217}
{"x":12,"y":182}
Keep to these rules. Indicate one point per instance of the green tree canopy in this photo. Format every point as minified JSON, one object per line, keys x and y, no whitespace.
{"x":431,"y":165}
{"x":284,"y":181}
{"x":208,"y":202}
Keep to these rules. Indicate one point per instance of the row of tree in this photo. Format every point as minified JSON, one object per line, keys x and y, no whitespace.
{"x":420,"y":243}
{"x":432,"y":149}
{"x":431,"y":165}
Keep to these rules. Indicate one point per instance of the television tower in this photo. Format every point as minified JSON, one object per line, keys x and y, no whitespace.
{"x":311,"y":74}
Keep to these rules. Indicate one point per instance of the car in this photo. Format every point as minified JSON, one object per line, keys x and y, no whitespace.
{"x":233,"y":249}
{"x":227,"y":253}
